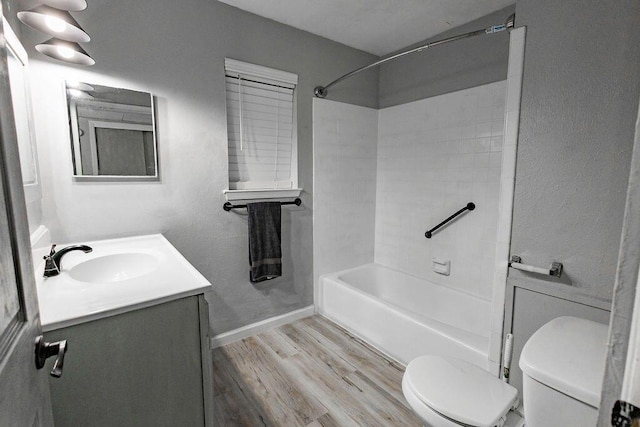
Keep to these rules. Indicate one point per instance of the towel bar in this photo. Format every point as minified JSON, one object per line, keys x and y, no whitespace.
{"x":228,"y":206}
{"x":554,"y":270}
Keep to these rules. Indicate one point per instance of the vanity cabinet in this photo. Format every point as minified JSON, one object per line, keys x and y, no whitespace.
{"x":146,"y":367}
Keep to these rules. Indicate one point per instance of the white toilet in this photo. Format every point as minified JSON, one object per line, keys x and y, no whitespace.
{"x":562,"y":364}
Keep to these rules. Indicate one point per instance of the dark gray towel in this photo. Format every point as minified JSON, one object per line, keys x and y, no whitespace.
{"x":265,"y":255}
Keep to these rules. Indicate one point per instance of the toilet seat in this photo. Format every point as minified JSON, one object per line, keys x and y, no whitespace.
{"x":457,"y":392}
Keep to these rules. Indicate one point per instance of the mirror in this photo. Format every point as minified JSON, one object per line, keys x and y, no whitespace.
{"x":23,"y":116}
{"x":112,"y":132}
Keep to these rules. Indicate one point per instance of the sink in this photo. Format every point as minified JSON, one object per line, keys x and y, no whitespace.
{"x":119,"y":276}
{"x":114,"y":268}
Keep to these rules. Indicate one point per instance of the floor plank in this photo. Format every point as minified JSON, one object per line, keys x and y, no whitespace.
{"x":280,"y":345}
{"x":307,"y":373}
{"x":280,"y":401}
{"x":383,"y":371}
{"x":313,"y":348}
{"x":240,"y":408}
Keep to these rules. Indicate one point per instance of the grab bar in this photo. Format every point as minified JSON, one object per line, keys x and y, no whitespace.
{"x":554,"y":270}
{"x":470,"y":206}
{"x":228,"y":206}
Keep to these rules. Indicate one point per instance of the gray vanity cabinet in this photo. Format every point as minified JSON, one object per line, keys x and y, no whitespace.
{"x":147,"y":367}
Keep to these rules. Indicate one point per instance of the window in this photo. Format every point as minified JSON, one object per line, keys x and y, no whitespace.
{"x":261,"y":127}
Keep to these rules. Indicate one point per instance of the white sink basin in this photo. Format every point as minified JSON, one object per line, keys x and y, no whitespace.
{"x":114,"y":268}
{"x":118,"y":276}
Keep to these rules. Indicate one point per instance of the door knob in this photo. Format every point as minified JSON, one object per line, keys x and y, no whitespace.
{"x":45,"y":350}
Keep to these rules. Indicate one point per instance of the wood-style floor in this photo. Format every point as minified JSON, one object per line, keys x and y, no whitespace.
{"x":307,"y":373}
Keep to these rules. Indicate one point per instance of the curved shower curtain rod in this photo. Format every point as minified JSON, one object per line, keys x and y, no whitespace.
{"x":321,"y":91}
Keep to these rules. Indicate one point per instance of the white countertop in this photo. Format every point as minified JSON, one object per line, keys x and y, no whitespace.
{"x":66,"y":302}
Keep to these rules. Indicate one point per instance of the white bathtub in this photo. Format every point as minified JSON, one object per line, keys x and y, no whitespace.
{"x":405,"y":316}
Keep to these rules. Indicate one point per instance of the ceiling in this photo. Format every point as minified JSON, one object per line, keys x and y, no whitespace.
{"x":375,"y":26}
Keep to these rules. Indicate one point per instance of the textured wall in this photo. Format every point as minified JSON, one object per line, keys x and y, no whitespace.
{"x":176,"y":50}
{"x":579,"y":105}
{"x":9,"y":10}
{"x":344,"y":184}
{"x":435,"y":156}
{"x":448,"y":68}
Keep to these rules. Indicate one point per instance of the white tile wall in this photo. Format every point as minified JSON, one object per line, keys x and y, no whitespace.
{"x":434,"y":156}
{"x":344,"y":185}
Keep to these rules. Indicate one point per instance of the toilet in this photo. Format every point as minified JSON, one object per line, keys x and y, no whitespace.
{"x":449,"y":392}
{"x":563,"y":366}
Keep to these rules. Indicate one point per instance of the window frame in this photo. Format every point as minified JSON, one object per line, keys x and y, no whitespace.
{"x":247,"y":70}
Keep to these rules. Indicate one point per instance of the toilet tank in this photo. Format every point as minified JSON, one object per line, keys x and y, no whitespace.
{"x":563,"y":367}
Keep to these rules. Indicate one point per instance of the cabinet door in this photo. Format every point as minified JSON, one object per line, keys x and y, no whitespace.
{"x":141,"y":368}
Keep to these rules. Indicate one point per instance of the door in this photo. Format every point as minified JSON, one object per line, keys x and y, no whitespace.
{"x":623,"y":349}
{"x":24,"y":390}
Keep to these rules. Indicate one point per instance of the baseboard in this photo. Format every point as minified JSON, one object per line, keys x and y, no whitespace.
{"x":255,"y":328}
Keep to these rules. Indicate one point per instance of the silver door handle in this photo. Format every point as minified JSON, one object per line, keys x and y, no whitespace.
{"x":45,"y":350}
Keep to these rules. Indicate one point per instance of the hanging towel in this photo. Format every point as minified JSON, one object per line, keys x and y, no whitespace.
{"x":265,"y":255}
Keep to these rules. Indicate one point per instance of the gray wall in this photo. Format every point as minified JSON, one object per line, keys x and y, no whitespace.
{"x":448,"y":68}
{"x":579,"y":105}
{"x":9,"y":10}
{"x":176,"y":50}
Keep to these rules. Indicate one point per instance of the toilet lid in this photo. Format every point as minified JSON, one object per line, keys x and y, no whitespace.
{"x":459,"y":390}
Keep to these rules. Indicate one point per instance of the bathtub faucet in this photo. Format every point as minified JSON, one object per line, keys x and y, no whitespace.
{"x":53,"y":261}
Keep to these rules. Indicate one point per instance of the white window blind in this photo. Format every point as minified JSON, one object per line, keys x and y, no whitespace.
{"x":261,"y":127}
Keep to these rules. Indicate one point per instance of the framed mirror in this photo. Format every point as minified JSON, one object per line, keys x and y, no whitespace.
{"x":17,"y":63}
{"x":112,"y":132}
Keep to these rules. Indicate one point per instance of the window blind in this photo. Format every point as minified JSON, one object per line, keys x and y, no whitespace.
{"x":261,"y":132}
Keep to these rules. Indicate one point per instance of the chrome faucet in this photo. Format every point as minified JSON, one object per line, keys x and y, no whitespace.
{"x":53,"y":261}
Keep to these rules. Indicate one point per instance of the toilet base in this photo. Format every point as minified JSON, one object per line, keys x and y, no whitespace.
{"x":514,"y":420}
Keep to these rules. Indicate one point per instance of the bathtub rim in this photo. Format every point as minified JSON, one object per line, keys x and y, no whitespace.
{"x":336,"y":275}
{"x":482,"y":348}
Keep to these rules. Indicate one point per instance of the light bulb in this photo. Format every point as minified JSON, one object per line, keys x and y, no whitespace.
{"x":55,"y":24}
{"x":65,"y":52}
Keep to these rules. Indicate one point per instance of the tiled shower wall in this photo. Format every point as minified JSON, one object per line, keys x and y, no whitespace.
{"x":434,"y":156}
{"x":344,"y":185}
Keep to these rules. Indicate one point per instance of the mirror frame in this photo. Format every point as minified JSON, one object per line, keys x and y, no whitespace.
{"x":74,"y":136}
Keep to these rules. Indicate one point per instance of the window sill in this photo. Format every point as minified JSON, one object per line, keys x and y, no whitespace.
{"x":267,"y":194}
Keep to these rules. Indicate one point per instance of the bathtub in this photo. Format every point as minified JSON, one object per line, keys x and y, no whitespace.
{"x":404,"y":316}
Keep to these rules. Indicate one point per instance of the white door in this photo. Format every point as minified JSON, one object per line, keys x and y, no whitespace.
{"x":24,"y":390}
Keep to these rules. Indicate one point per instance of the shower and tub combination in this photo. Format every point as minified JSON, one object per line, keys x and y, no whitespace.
{"x":431,"y":293}
{"x":384,"y":177}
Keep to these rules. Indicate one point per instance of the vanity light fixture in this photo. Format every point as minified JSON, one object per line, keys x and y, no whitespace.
{"x":66,"y":51}
{"x":55,"y":22}
{"x":70,"y":5}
